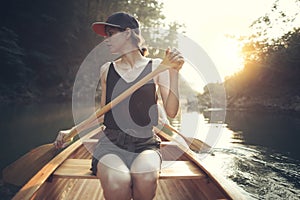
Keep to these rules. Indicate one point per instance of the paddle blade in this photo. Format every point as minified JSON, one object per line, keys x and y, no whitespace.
{"x":21,"y":170}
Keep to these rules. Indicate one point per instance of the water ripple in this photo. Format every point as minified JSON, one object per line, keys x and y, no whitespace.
{"x":263,"y":174}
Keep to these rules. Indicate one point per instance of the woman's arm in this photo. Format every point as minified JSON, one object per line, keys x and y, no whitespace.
{"x":170,"y":94}
{"x":59,"y":142}
{"x":103,"y":76}
{"x":168,"y":82}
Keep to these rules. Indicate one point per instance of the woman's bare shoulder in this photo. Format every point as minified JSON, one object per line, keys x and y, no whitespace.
{"x":104,"y":69}
{"x":105,"y":66}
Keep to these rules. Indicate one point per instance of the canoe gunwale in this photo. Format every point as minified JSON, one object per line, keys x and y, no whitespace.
{"x":229,"y":190}
{"x":29,"y":190}
{"x":34,"y":184}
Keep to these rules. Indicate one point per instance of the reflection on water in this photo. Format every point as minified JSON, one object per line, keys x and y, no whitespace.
{"x":194,"y":125}
{"x":272,"y":130}
{"x":259,"y":153}
{"x":26,"y":127}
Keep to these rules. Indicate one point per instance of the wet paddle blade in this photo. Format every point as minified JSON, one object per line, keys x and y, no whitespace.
{"x":21,"y":170}
{"x":194,"y":144}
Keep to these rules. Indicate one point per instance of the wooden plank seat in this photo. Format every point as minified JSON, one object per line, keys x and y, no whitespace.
{"x":93,"y":142}
{"x":80,"y":169}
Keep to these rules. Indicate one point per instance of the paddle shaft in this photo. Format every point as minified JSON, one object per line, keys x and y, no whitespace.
{"x":12,"y":173}
{"x":196,"y":143}
{"x":76,"y":129}
{"x":173,"y":129}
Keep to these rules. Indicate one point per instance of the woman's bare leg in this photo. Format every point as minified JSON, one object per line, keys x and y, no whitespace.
{"x":144,"y":173}
{"x":114,"y":177}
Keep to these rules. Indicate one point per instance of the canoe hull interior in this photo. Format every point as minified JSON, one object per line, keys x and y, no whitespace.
{"x":180,"y":189}
{"x":205,"y":186}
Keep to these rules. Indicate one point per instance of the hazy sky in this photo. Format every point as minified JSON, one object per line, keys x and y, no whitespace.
{"x":207,"y":22}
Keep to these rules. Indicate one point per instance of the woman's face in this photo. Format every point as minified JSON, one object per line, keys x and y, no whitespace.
{"x":115,"y":39}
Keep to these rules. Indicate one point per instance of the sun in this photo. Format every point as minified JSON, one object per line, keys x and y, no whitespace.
{"x":227,"y":56}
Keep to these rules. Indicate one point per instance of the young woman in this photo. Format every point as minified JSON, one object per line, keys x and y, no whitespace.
{"x":127,"y":159}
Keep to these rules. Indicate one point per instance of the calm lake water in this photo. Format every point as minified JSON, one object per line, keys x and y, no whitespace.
{"x":259,"y":152}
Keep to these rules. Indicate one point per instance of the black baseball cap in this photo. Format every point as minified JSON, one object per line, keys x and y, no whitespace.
{"x":119,"y":20}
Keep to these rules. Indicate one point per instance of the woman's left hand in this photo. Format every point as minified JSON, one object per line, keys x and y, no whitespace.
{"x":59,"y":142}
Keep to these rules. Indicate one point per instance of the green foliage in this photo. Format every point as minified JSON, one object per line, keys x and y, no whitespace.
{"x":43,"y":43}
{"x":158,"y":39}
{"x":281,"y":17}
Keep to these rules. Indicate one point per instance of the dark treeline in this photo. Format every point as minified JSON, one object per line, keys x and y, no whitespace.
{"x":42,"y":43}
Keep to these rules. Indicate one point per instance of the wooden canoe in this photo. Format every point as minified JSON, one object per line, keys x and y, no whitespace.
{"x":183,"y":176}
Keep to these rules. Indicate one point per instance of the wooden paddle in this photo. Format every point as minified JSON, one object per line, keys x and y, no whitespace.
{"x":21,"y":170}
{"x":194,"y":144}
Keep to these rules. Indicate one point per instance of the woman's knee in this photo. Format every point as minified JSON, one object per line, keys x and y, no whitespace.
{"x":117,"y":180}
{"x":145,"y":178}
{"x":148,"y":161}
{"x":115,"y":176}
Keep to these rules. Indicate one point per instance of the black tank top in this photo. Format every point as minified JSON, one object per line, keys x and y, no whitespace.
{"x":138,"y":111}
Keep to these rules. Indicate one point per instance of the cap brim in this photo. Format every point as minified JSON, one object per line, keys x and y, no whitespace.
{"x":99,"y":27}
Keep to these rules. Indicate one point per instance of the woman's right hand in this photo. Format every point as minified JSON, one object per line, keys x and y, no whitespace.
{"x":173,"y":58}
{"x":59,"y":143}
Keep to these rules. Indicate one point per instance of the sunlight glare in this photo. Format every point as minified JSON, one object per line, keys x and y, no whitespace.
{"x":227,"y":57}
{"x":192,"y":77}
{"x":207,"y":22}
